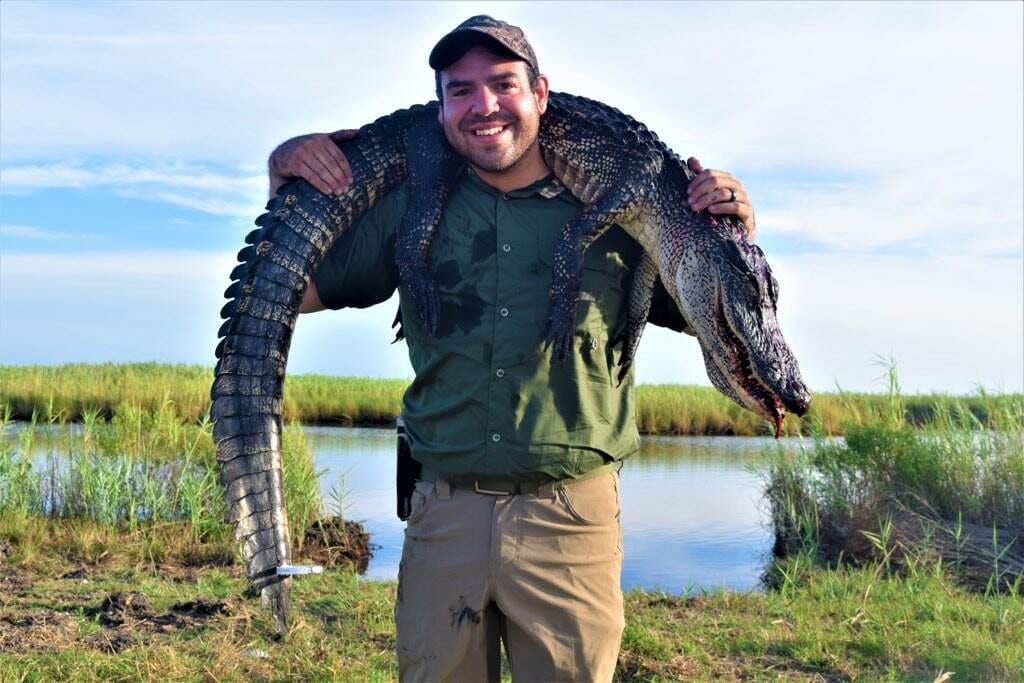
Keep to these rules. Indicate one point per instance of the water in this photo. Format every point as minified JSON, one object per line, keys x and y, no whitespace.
{"x":693,"y":515}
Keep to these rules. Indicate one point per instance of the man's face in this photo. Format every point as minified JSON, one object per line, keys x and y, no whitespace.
{"x":490,"y":114}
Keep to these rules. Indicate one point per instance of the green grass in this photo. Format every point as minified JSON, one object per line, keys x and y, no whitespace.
{"x":846,"y":624}
{"x":72,"y":391}
{"x":838,"y":625}
{"x":125,"y":501}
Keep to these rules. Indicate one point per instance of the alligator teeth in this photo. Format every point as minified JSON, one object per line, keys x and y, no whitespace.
{"x":489,"y":131}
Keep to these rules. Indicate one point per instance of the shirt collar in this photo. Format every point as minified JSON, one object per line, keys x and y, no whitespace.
{"x":547,"y":187}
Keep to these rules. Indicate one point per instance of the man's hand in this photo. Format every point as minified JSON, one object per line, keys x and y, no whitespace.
{"x":314,"y":157}
{"x":713,"y":190}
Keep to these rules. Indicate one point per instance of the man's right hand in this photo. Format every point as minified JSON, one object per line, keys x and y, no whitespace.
{"x":315,"y":158}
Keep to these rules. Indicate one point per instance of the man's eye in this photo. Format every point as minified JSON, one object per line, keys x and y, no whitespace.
{"x":458,"y":93}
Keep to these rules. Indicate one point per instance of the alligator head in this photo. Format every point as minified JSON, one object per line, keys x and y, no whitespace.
{"x":725,"y":290}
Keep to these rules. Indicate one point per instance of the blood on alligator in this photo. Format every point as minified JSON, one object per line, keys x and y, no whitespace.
{"x":778,"y":425}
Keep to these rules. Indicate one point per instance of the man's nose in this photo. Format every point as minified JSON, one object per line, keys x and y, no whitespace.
{"x":485,"y":102}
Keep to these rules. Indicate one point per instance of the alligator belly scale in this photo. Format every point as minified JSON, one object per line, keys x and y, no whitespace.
{"x":620,"y":171}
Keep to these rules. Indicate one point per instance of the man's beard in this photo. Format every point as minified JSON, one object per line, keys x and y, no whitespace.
{"x":486,"y":162}
{"x":525,"y":129}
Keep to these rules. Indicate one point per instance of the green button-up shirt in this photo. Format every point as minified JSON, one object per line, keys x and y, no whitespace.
{"x":486,"y":398}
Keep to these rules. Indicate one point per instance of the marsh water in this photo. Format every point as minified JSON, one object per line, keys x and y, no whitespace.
{"x":693,"y":513}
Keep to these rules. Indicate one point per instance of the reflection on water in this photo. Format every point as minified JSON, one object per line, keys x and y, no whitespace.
{"x":692,"y":511}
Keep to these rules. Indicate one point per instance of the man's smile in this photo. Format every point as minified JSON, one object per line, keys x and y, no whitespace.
{"x":488,"y":132}
{"x":491,"y":132}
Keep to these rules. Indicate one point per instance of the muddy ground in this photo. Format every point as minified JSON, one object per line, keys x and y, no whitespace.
{"x":124,"y":618}
{"x":49,"y":603}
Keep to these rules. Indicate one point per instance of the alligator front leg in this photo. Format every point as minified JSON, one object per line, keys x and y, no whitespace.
{"x":567,"y":269}
{"x":416,"y":232}
{"x":641,"y":294}
{"x":431,"y":172}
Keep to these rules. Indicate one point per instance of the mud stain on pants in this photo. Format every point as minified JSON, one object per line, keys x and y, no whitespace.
{"x":461,"y":612}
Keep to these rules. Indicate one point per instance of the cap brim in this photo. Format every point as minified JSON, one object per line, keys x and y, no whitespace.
{"x":457,"y":43}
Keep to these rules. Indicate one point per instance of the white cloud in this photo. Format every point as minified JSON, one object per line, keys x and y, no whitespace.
{"x":33,"y":233}
{"x":65,"y":174}
{"x":157,"y":264}
{"x":192,"y":185}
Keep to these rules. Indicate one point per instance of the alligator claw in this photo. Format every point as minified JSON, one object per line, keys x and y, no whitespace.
{"x":559,"y":334}
{"x":624,"y":369}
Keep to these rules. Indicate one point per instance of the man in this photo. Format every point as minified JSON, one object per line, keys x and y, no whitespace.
{"x":514,"y":532}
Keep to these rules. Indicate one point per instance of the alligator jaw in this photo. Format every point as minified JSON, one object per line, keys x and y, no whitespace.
{"x":744,"y":353}
{"x":736,"y":365}
{"x":759,"y":395}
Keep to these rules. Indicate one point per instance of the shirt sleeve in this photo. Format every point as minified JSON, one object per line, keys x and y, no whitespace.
{"x":665,"y":313}
{"x":359,"y":269}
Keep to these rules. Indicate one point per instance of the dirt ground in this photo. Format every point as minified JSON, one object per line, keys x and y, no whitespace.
{"x":123,"y":617}
{"x":46,"y":605}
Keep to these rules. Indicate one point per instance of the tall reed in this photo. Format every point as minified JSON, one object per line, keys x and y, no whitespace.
{"x":133,"y":470}
{"x":923,"y":486}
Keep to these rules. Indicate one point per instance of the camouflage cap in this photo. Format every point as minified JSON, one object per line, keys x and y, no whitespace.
{"x":505,"y":36}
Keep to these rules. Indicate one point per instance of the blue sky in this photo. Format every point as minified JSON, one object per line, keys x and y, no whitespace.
{"x":881,"y":143}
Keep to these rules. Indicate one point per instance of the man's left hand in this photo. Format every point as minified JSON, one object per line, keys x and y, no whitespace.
{"x":714,"y":190}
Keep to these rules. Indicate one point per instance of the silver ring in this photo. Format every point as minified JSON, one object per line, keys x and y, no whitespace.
{"x":732,"y":196}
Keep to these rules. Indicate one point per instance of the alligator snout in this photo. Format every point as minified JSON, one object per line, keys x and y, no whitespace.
{"x":796,"y":397}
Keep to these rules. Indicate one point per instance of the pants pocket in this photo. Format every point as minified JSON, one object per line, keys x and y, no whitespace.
{"x":594,"y":502}
{"x":423,"y":495}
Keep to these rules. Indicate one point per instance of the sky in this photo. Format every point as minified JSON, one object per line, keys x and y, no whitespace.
{"x":881,"y":144}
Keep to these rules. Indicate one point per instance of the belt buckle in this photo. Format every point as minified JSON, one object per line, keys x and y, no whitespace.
{"x":476,"y":487}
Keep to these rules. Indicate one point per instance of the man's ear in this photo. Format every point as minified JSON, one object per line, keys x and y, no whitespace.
{"x":439,"y":82}
{"x":540,"y":91}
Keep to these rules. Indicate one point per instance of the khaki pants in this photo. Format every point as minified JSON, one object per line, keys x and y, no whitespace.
{"x":540,"y":572}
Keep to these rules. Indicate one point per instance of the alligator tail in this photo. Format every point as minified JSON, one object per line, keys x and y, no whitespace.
{"x":248,"y":388}
{"x":266,"y":291}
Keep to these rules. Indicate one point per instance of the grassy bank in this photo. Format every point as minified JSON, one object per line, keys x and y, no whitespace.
{"x":137,"y":472}
{"x":73,"y":390}
{"x":116,"y":615}
{"x":949,"y":492}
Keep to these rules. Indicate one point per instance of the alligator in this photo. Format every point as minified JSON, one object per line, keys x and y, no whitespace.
{"x":622,"y":173}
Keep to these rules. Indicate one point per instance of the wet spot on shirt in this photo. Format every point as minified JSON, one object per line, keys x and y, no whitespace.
{"x":462,"y":309}
{"x":483,"y":245}
{"x":447,"y":274}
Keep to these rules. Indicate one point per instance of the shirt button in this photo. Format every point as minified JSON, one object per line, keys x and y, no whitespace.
{"x":495,"y":438}
{"x":506,"y":247}
{"x":503,"y":312}
{"x":500,"y":372}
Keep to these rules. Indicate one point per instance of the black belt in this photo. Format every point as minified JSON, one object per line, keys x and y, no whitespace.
{"x":504,"y":486}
